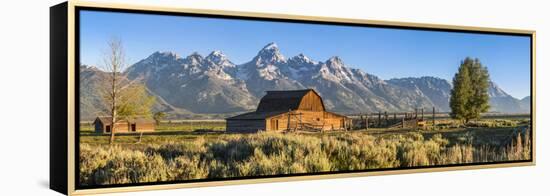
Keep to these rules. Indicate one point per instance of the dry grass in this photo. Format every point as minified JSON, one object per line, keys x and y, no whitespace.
{"x":275,"y":154}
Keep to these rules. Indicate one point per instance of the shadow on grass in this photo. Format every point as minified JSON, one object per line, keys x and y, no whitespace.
{"x":158,"y":133}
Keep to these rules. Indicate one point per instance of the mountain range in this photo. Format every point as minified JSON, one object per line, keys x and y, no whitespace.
{"x":213,"y":85}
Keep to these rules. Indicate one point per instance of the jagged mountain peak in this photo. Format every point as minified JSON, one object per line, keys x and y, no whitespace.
{"x":89,"y":67}
{"x":336,"y":64}
{"x":496,"y":91}
{"x":269,"y":54}
{"x":214,"y":84}
{"x":161,"y":57}
{"x":271,"y":46}
{"x":164,"y":54}
{"x":334,"y":69}
{"x":194,"y":58}
{"x":301,"y":55}
{"x":437,"y":89}
{"x":155,"y":62}
{"x":217,"y":57}
{"x":503,"y":102}
{"x":217,"y":54}
{"x":427,"y":80}
{"x":195,"y":54}
{"x":335,"y":61}
{"x":301,"y":59}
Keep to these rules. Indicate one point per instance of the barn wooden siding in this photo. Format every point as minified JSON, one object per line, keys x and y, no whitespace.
{"x":102,"y":125}
{"x":144,"y":127}
{"x":241,"y":126}
{"x":311,"y":102}
{"x":289,"y":111}
{"x":300,"y":120}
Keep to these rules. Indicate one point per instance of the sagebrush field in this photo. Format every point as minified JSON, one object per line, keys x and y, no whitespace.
{"x":170,"y":155}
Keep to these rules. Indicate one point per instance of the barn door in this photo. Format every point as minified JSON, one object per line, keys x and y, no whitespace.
{"x":274,"y":124}
{"x":133,"y":127}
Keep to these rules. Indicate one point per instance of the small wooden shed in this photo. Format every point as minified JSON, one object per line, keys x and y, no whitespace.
{"x":104,"y":125}
{"x":288,"y":111}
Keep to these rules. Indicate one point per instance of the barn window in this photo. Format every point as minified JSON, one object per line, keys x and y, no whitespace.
{"x":318,"y":119}
{"x":108,"y":128}
{"x":134,"y":127}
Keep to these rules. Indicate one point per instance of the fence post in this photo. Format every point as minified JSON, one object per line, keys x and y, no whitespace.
{"x":415,"y":113}
{"x":367,"y":121}
{"x":422,"y":115}
{"x":360,"y":120}
{"x":379,"y":119}
{"x":433,"y":117}
{"x":403,"y":122}
{"x":288,"y":121}
{"x":385,"y":118}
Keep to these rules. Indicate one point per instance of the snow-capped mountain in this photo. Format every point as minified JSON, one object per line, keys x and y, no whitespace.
{"x":350,"y":90}
{"x":267,"y":71}
{"x":198,"y":84}
{"x":344,"y":89}
{"x":215,"y":85}
{"x":503,"y":102}
{"x":438,"y":90}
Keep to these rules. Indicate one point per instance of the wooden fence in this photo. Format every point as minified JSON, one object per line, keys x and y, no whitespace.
{"x":380,"y":119}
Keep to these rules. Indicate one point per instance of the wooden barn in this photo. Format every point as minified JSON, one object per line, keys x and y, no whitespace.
{"x":288,"y":111}
{"x":104,"y":125}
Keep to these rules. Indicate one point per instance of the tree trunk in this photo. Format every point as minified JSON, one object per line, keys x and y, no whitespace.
{"x":113,"y":122}
{"x":112,"y":139}
{"x":140,"y":136}
{"x":466,"y":121}
{"x":113,"y":105}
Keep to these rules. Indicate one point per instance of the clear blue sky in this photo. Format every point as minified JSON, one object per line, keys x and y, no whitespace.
{"x":387,"y":53}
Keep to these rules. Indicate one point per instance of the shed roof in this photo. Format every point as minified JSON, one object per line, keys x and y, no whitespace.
{"x":255,"y":115}
{"x":282,"y":100}
{"x":107,"y":120}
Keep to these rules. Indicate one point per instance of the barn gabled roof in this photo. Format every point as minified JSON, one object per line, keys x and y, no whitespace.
{"x":275,"y":103}
{"x":282,"y":100}
{"x":265,"y":115}
{"x":103,"y":119}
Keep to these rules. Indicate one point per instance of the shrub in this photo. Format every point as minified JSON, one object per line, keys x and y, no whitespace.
{"x":276,"y":154}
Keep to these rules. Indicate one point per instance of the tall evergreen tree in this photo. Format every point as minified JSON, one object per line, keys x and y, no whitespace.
{"x":470,"y":93}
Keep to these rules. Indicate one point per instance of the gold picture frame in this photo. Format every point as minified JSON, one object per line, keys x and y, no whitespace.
{"x":63,"y":107}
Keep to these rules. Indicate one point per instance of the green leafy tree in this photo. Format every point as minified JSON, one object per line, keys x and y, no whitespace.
{"x":470,"y":92}
{"x":158,"y":116}
{"x":126,"y":99}
{"x":135,"y":102}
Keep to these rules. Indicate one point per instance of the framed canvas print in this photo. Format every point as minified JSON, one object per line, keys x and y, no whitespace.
{"x":146,"y":98}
